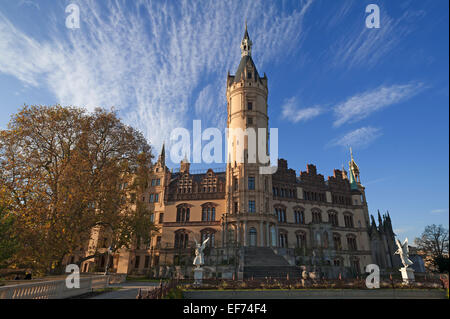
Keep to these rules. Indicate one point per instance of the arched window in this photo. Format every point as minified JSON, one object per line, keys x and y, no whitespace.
{"x":316,"y":216}
{"x":301,"y":240}
{"x":348,"y":220}
{"x":208,"y":233}
{"x":333,"y":218}
{"x":208,"y":212}
{"x":351,"y":242}
{"x":252,"y":236}
{"x":183,"y":213}
{"x":299,"y":215}
{"x":231,"y":234}
{"x":280,"y":211}
{"x":337,"y":241}
{"x":283,"y":238}
{"x":355,"y":265}
{"x":181,"y":239}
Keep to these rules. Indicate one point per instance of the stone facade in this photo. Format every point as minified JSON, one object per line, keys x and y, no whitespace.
{"x":307,"y":219}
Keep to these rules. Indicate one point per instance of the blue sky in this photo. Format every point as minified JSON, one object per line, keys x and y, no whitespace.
{"x":333,"y":83}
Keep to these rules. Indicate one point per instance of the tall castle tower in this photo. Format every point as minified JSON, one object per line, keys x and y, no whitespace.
{"x":248,"y":192}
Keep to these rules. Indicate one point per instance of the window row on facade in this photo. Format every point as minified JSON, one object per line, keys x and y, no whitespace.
{"x":321,"y":240}
{"x":181,"y":240}
{"x":184,"y":213}
{"x":152,"y":198}
{"x":316,"y":217}
{"x":284,"y":192}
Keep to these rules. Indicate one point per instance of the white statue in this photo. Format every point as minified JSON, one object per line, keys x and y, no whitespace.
{"x":199,"y":259}
{"x":403,"y":251}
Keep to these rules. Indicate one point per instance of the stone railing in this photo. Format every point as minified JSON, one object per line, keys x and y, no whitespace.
{"x":57,"y":289}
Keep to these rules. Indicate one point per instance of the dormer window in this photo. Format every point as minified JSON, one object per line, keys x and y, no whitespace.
{"x":249,"y":75}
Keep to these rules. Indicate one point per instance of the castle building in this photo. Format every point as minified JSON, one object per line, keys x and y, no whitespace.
{"x":257,"y":224}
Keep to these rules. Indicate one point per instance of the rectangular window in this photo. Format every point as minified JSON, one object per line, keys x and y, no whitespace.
{"x":156,"y":198}
{"x":158,"y":242}
{"x":251,"y":183}
{"x":137,"y":261}
{"x":151,"y":198}
{"x":147,"y":261}
{"x":158,"y":182}
{"x":249,"y":120}
{"x":161,"y":218}
{"x":236,"y":207}
{"x":249,"y":106}
{"x":251,"y":206}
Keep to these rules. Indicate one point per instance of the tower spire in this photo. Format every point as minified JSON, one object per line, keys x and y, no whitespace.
{"x":354,"y":170}
{"x":246,"y":43}
{"x":162,"y":155}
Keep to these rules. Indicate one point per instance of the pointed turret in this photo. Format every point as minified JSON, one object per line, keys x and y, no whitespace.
{"x":373,"y":226}
{"x":162,"y":156}
{"x":353,"y":183}
{"x":380,"y":221}
{"x":247,"y":68}
{"x":246,"y":44}
{"x":354,"y":172}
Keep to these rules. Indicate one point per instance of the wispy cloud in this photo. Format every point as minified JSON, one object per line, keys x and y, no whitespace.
{"x":29,"y":3}
{"x":378,"y":180}
{"x":359,"y":138}
{"x":362,"y":46}
{"x":150,"y":61}
{"x":292,"y":113}
{"x":362,"y":105}
{"x":439,"y":211}
{"x":403,"y":230}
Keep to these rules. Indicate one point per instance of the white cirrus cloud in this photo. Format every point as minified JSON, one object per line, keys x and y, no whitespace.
{"x":439,"y":211}
{"x":150,"y":60}
{"x":361,"y":46}
{"x":359,"y":138}
{"x":291,"y":112}
{"x":363,"y":104}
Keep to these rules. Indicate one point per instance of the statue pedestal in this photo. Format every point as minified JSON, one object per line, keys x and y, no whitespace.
{"x":407,"y":275}
{"x":198,"y":276}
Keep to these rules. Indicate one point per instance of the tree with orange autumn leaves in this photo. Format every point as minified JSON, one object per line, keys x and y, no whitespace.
{"x":68,"y":172}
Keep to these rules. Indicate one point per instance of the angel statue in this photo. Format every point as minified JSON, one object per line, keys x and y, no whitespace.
{"x":199,"y":259}
{"x":403,"y":251}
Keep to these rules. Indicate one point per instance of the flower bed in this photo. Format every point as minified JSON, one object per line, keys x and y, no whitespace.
{"x":173,"y":287}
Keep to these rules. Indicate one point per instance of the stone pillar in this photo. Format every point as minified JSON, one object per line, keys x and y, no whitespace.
{"x":277,"y":239}
{"x":268,"y":243}
{"x":261,"y":236}
{"x":224,"y":229}
{"x":238,"y":232}
{"x":245,"y":233}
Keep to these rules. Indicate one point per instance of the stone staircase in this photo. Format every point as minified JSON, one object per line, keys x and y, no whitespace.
{"x":261,"y":262}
